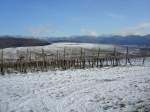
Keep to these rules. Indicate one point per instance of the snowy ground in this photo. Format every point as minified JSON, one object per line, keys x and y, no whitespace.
{"x":118,"y":89}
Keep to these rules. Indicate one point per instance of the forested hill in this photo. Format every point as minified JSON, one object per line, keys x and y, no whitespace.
{"x":10,"y":41}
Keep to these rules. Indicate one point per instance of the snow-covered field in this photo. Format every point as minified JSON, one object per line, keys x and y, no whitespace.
{"x":53,"y":48}
{"x":118,"y":89}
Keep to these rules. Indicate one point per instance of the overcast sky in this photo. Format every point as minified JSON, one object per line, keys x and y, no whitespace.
{"x":74,"y":17}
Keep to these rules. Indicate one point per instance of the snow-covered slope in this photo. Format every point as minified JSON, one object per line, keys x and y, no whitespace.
{"x":66,"y":45}
{"x":53,"y":48}
{"x":118,"y":89}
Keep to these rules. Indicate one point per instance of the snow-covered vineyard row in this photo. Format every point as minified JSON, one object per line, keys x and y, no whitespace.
{"x":66,"y":56}
{"x":117,"y":89}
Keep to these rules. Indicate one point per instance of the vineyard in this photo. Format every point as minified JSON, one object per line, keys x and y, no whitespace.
{"x":66,"y":58}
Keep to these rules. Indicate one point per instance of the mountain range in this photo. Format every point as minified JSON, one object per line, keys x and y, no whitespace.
{"x":18,"y":41}
{"x":112,"y":39}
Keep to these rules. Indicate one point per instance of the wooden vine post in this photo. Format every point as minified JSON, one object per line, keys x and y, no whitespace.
{"x":44,"y":63}
{"x":127,"y":57}
{"x":64,"y":62}
{"x":98,"y":55}
{"x":81,"y":57}
{"x":127,"y":52}
{"x":2,"y":63}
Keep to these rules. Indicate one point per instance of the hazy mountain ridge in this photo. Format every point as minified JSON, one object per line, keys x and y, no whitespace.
{"x":114,"y":39}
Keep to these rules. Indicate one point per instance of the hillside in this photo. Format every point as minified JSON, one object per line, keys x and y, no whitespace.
{"x":12,"y":41}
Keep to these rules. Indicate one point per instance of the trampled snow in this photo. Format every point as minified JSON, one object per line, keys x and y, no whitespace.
{"x":108,"y":89}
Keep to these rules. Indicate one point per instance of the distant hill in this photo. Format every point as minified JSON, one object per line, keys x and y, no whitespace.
{"x":10,"y":41}
{"x":113,"y":39}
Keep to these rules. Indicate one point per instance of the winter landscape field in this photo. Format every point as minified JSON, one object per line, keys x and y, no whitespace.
{"x":74,"y":55}
{"x":106,"y":89}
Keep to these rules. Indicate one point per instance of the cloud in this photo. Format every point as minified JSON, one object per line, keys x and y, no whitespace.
{"x":43,"y":30}
{"x":76,"y":18}
{"x":139,"y":29}
{"x":39,"y":30}
{"x":114,"y":15}
{"x":89,"y":32}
